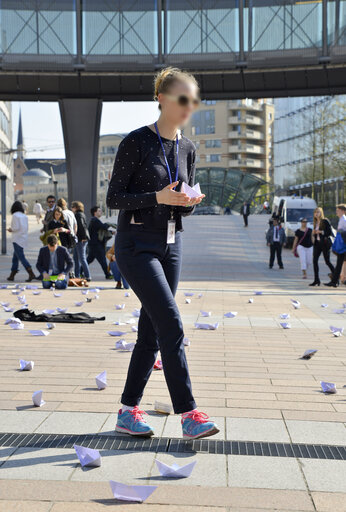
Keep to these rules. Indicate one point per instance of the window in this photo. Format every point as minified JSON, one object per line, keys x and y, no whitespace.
{"x":203,"y":122}
{"x":213,"y":143}
{"x":213,"y":158}
{"x":270,"y":116}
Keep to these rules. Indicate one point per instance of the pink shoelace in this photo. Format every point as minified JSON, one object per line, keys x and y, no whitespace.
{"x":199,"y":417}
{"x":137,"y":414}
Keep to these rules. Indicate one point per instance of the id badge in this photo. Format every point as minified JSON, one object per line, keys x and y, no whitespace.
{"x":171,"y":232}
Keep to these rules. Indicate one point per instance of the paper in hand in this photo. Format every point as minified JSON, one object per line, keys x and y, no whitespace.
{"x":309,"y":353}
{"x":231,"y":314}
{"x":88,"y":456}
{"x":26,"y":365}
{"x":136,"y":493}
{"x":39,"y":332}
{"x":101,"y":380}
{"x":37,"y":399}
{"x":175,"y":471}
{"x":328,"y":387}
{"x":207,"y":327}
{"x":191,"y":192}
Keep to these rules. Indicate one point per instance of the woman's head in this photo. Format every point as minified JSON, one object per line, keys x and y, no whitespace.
{"x":62,"y":203}
{"x":177,"y":93}
{"x":17,"y":206}
{"x":77,"y":206}
{"x":58,"y":215}
{"x":318,"y":214}
{"x":304,"y":223}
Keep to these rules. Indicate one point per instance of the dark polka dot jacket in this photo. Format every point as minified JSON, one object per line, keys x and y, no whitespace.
{"x":140,"y":171}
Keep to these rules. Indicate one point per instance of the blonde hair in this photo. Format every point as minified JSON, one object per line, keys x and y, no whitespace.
{"x":78,"y":205}
{"x":321,"y":217}
{"x":62,"y":203}
{"x":165,"y":78}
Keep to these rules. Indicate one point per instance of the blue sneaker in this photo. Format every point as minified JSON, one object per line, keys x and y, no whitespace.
{"x":195,"y":425}
{"x":132,"y":422}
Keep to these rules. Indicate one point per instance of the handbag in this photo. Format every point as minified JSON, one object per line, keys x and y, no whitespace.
{"x":300,"y":241}
{"x":339,"y":246}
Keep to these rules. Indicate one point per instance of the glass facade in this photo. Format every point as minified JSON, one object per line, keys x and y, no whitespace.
{"x":282,"y":25}
{"x":163,"y":31}
{"x":227,"y":187}
{"x":203,"y":122}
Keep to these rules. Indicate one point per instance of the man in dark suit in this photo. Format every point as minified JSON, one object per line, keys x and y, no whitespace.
{"x":245,"y":212}
{"x":54,"y":264}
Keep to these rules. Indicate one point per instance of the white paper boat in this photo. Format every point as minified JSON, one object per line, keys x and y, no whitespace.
{"x":26,"y":365}
{"x":101,"y":380}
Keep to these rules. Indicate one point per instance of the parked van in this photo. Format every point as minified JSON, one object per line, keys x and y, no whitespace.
{"x":291,"y":209}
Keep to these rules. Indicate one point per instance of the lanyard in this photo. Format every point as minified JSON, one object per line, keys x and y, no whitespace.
{"x":164,"y":156}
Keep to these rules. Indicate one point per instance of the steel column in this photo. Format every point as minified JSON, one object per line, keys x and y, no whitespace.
{"x":159,"y":31}
{"x":325,"y":28}
{"x":79,"y":31}
{"x":241,"y":31}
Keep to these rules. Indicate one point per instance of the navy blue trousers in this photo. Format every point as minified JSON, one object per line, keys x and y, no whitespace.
{"x":152,"y":269}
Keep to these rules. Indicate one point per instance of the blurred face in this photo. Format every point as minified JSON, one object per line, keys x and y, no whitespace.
{"x":57,"y":215}
{"x":340,"y":212}
{"x":275,"y":222}
{"x":52,"y":248}
{"x":304,"y":223}
{"x":318,"y":214}
{"x":50,"y":202}
{"x":180,"y":102}
{"x":98,"y":213}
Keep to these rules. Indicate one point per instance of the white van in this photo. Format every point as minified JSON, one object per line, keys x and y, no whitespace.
{"x":291,"y":209}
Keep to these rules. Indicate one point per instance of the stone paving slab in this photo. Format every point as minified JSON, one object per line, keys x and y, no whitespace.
{"x":247,"y":374}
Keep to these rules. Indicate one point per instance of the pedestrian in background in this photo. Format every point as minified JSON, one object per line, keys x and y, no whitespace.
{"x":118,"y":278}
{"x":54,"y":264}
{"x":49,"y":212}
{"x":25,"y":207}
{"x":339,"y":245}
{"x":245,"y":212}
{"x":302,"y":246}
{"x":69,"y":216}
{"x":99,"y":234}
{"x":321,"y":237}
{"x":19,"y":229}
{"x":276,"y":238}
{"x":37,"y":211}
{"x":58,"y":227}
{"x":79,"y":253}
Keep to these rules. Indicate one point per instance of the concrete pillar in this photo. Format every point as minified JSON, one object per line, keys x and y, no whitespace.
{"x":80,"y":120}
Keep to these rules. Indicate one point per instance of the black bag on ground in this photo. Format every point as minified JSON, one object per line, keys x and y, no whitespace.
{"x":26,"y":315}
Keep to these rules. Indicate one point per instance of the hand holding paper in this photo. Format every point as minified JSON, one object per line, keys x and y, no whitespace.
{"x":192,"y":192}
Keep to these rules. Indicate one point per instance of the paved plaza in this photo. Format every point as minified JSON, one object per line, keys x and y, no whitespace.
{"x":282,"y":442}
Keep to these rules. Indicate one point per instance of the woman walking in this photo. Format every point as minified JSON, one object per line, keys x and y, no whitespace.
{"x":79,"y":253}
{"x":302,"y":246}
{"x":19,"y":229}
{"x":150,"y":166}
{"x":321,"y":234}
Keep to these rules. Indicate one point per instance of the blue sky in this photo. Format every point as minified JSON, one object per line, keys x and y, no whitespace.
{"x":42,"y":127}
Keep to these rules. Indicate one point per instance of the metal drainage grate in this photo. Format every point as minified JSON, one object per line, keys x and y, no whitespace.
{"x":155,"y":444}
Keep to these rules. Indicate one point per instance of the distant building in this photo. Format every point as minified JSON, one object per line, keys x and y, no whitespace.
{"x":6,"y":157}
{"x":234,"y":134}
{"x":108,"y":147}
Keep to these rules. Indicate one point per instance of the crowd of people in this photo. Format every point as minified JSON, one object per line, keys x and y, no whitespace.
{"x":70,"y":243}
{"x":310,"y":243}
